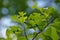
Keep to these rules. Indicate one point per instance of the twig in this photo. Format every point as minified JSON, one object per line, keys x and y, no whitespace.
{"x":25,"y":31}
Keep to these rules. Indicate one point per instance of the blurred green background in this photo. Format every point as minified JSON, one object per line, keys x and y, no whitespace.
{"x":12,"y":7}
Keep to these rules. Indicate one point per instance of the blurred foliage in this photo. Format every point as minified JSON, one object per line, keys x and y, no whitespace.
{"x":15,"y":30}
{"x":19,"y":5}
{"x":57,"y":1}
{"x":2,"y":39}
{"x":48,"y":24}
{"x":13,"y":6}
{"x":47,"y":20}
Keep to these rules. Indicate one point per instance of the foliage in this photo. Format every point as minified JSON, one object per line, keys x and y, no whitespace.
{"x":13,"y":6}
{"x":48,"y":25}
{"x":45,"y":20}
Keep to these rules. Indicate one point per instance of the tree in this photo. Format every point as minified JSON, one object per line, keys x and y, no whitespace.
{"x":44,"y":22}
{"x":47,"y":24}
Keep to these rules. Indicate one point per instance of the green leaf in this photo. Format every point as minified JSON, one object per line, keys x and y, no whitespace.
{"x":21,"y":18}
{"x":52,"y":33}
{"x":14,"y":18}
{"x":35,"y":5}
{"x":56,"y":24}
{"x":13,"y":30}
{"x":22,"y":13}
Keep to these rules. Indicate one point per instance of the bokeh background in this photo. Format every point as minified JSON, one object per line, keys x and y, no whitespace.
{"x":12,"y":7}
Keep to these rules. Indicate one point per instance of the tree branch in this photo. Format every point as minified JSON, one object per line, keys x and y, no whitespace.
{"x":25,"y":33}
{"x":48,"y":24}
